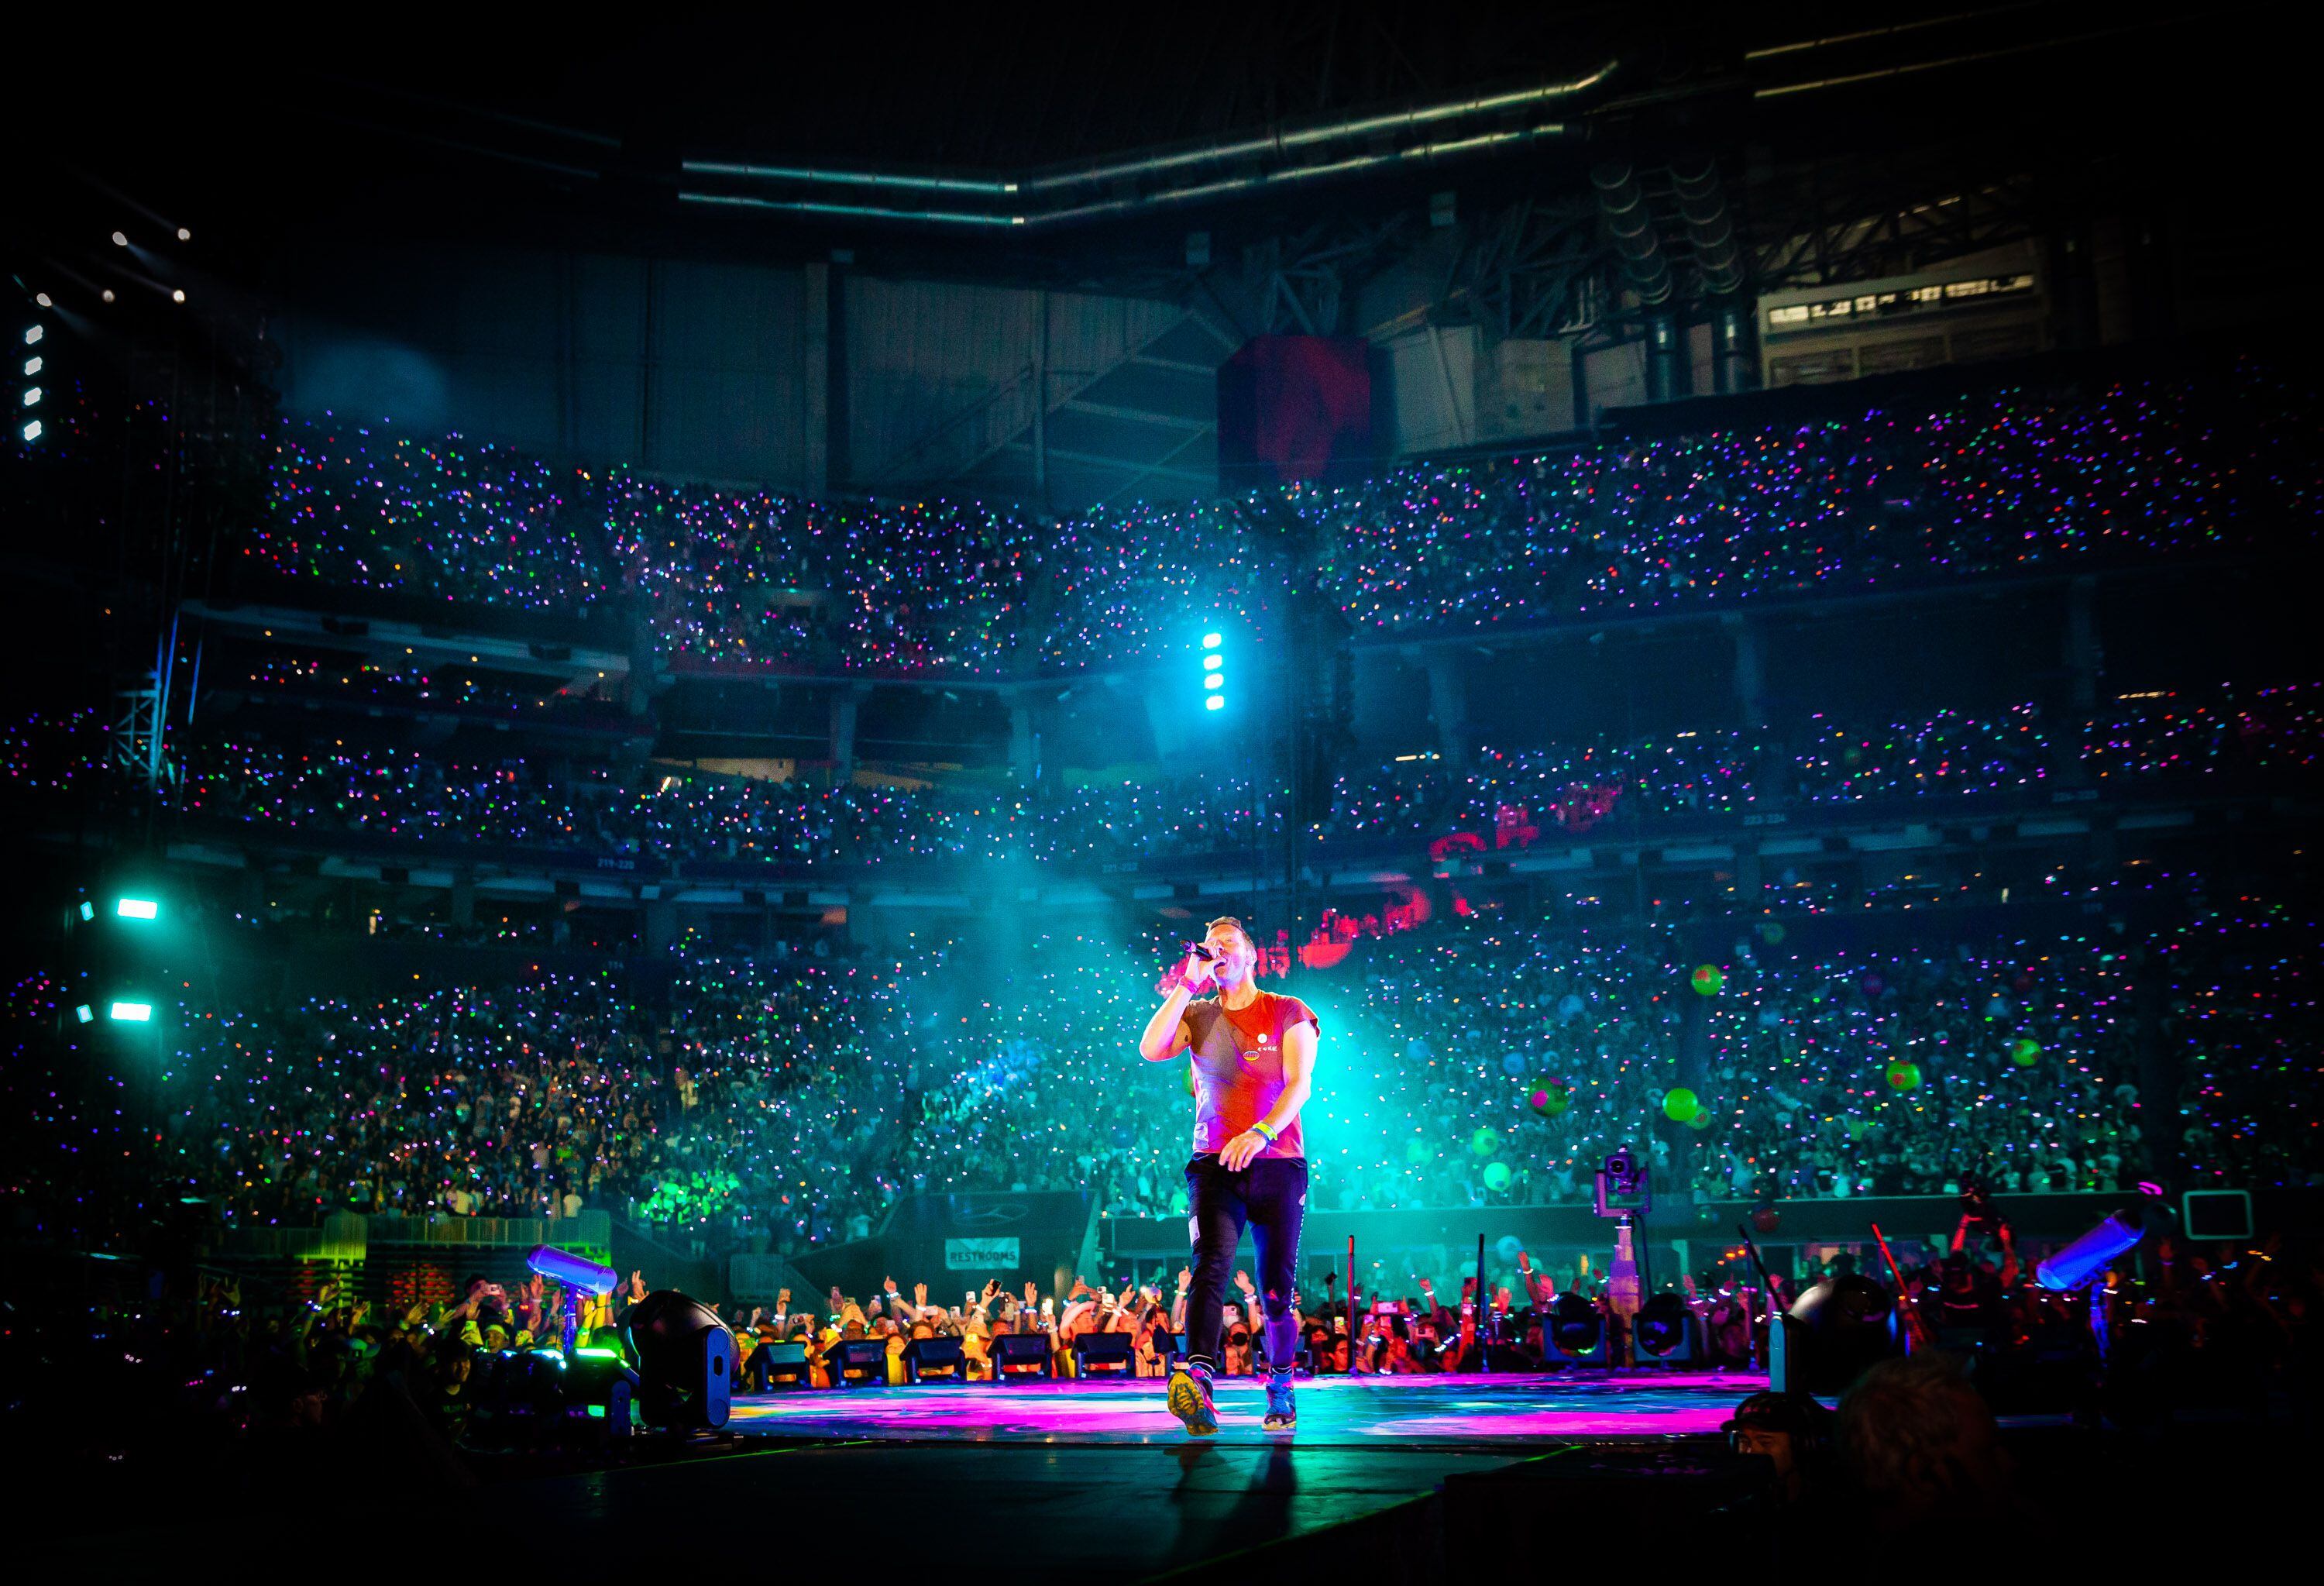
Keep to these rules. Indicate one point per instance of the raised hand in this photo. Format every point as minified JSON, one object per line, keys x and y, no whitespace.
{"x":783,"y":1300}
{"x":919,"y":1294}
{"x":1185,"y":1276}
{"x":1242,"y":1281}
{"x":1028,"y":1291}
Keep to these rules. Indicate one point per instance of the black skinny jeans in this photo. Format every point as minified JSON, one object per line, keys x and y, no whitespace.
{"x":1271,"y":1197}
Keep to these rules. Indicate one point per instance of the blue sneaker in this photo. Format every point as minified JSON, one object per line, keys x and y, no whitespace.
{"x":1282,"y":1415}
{"x":1190,"y":1401}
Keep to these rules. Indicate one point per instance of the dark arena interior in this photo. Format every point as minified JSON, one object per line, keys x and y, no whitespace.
{"x":1330,"y":788}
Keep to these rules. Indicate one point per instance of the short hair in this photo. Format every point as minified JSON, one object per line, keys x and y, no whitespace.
{"x":1918,"y":1433}
{"x":1241,"y":929}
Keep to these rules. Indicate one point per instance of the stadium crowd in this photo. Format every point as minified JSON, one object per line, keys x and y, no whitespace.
{"x":1478,"y":1061}
{"x":1508,"y":797}
{"x":1985,"y":484}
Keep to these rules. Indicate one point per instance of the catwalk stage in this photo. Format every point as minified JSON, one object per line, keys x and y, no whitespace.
{"x":1483,"y":1414}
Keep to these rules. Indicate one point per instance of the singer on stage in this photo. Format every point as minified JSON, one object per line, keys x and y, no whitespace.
{"x":1253,"y":1054}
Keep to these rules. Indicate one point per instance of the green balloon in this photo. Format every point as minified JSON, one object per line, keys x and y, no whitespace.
{"x":2026,"y":1052}
{"x":1484,"y":1142}
{"x":1497,"y":1175}
{"x":1681,"y":1105}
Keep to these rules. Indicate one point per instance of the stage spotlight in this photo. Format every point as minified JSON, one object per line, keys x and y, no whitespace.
{"x":860,"y":1362}
{"x":31,"y":396}
{"x":88,"y":909}
{"x":936,"y":1360}
{"x":133,"y":1012}
{"x":178,"y":295}
{"x":571,"y":1270}
{"x":184,"y":236}
{"x":85,"y":1014}
{"x":2086,"y":1256}
{"x":32,"y":431}
{"x":107,"y":294}
{"x":34,"y":365}
{"x":1576,"y":1333}
{"x":119,"y":240}
{"x":686,"y":1362}
{"x":34,"y":335}
{"x":1214,"y":674}
{"x":44,"y":299}
{"x":578,"y":1274}
{"x":1664,"y":1330}
{"x":137,"y":908}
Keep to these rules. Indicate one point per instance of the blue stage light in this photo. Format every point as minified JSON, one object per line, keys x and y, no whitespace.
{"x":133,"y":1012}
{"x":137,"y":908}
{"x":571,"y":1270}
{"x":2088,"y":1256}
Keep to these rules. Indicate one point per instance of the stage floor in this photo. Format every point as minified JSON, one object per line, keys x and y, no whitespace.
{"x":1480,"y":1413}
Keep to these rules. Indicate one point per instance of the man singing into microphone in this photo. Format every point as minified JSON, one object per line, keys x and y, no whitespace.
{"x":1253,"y":1054}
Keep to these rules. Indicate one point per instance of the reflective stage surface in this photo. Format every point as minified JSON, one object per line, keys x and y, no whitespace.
{"x":1474,"y":1412}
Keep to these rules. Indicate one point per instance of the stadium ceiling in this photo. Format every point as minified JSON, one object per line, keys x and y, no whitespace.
{"x":1120,"y":131}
